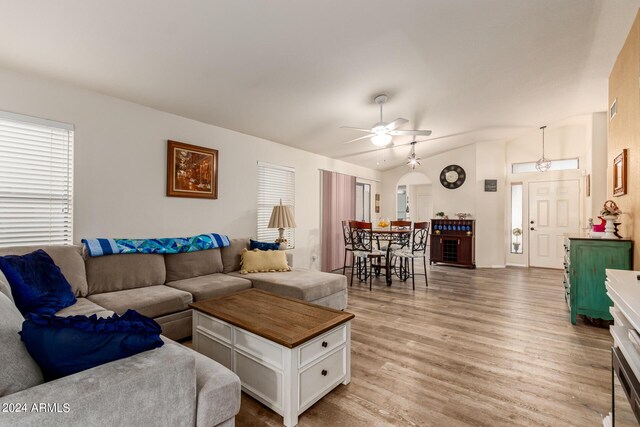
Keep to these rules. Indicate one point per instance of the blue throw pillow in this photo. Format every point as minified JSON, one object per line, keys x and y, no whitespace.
{"x":62,"y":346}
{"x":37,"y":284}
{"x":263,"y":246}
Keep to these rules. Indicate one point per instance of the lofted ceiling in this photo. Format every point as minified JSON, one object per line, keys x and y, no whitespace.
{"x":294,"y":71}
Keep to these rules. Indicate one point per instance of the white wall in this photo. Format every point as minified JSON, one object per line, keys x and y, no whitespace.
{"x":120,"y":168}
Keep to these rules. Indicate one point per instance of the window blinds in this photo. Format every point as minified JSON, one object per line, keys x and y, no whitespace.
{"x":36,"y":181}
{"x":275,"y":183}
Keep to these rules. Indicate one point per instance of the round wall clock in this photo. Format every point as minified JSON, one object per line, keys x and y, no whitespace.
{"x":452,"y":177}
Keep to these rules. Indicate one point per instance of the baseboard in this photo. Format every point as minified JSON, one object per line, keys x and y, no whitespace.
{"x":517,"y":265}
{"x":491,"y":266}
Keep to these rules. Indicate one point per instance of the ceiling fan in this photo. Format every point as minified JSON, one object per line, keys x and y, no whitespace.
{"x":382,"y":132}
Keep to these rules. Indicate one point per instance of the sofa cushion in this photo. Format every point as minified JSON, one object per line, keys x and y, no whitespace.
{"x":231,"y":254}
{"x":151,"y":301}
{"x":127,"y":271}
{"x":18,"y":371}
{"x":307,"y":285}
{"x":84,"y":307}
{"x":257,"y":261}
{"x":67,"y":257}
{"x":211,"y":285}
{"x":5,"y":287}
{"x":193,"y":264}
{"x":37,"y":283}
{"x":66,"y":345}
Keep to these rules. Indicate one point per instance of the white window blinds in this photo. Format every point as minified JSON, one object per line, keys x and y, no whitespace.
{"x":36,"y":181}
{"x":275,"y":183}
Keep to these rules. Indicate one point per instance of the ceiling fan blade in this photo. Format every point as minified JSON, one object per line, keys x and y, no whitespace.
{"x":358,"y":139}
{"x":396,"y":124}
{"x":410,"y":132}
{"x":359,"y":129}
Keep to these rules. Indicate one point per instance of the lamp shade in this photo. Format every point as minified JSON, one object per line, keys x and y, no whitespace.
{"x":282,"y":217}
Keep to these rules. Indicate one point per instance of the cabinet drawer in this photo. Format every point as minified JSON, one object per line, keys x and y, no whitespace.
{"x":213,"y":326}
{"x":261,"y":349}
{"x":321,"y":376}
{"x":322,"y":345}
{"x":214,"y":349}
{"x":266,"y":383}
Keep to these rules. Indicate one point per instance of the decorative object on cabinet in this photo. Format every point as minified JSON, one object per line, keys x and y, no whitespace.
{"x":192,"y":171}
{"x":610,"y":212}
{"x":585,"y":261}
{"x":620,"y":174}
{"x":453,"y":242}
{"x":440,"y":215}
{"x":624,"y":289}
{"x":452,"y":177}
{"x":463,"y":215}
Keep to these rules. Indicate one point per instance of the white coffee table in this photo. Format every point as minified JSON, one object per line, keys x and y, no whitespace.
{"x":287,"y":353}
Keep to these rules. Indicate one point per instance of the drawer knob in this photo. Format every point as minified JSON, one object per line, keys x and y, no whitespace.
{"x":325,"y":344}
{"x":324,"y":372}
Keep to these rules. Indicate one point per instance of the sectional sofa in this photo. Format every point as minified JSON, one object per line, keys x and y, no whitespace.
{"x":132,"y":391}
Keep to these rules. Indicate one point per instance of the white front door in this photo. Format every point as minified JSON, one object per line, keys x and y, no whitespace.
{"x":554,"y":209}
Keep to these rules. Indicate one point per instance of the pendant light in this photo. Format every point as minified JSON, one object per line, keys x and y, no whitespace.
{"x":412,"y":160}
{"x":543,"y":164}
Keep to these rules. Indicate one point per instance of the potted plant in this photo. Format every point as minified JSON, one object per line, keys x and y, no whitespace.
{"x":516,"y":245}
{"x":440,"y":215}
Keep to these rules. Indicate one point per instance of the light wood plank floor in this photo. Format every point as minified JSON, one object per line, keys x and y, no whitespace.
{"x":486,"y":347}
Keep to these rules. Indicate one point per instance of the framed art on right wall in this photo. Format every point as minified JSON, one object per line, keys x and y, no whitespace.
{"x":620,"y":174}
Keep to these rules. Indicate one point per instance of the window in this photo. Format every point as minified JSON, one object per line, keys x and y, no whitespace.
{"x":36,"y":181}
{"x":516,"y":219}
{"x":275,"y":183}
{"x":556,"y":165}
{"x":363,"y":202}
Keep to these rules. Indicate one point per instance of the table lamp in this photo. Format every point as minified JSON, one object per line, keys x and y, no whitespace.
{"x":281,"y":218}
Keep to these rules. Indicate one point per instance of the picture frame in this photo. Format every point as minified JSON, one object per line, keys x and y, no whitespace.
{"x":620,"y":174}
{"x":192,"y":171}
{"x":377,"y":203}
{"x":587,"y":185}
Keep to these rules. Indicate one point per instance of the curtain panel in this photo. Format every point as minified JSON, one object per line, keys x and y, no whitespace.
{"x":338,"y":204}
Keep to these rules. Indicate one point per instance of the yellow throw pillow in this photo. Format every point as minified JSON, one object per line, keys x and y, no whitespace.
{"x":257,"y":261}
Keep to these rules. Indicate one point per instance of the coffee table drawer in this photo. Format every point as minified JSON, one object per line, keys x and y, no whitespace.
{"x":215,"y":350}
{"x":258,"y":347}
{"x":322,"y":345}
{"x":213,"y":326}
{"x":321,"y":376}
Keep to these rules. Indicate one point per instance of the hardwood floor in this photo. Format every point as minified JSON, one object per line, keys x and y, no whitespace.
{"x":486,"y":347}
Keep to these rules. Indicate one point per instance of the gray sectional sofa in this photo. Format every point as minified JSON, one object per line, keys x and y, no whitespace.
{"x":131,"y":391}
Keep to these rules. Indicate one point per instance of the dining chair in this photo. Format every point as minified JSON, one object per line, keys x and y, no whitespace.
{"x":416,"y":250}
{"x":397,"y":241}
{"x":348,"y":247}
{"x":363,"y":251}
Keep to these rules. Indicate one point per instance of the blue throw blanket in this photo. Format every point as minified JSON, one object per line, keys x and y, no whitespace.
{"x":201,"y":242}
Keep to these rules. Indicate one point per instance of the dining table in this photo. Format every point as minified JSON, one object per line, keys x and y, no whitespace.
{"x":390,"y":235}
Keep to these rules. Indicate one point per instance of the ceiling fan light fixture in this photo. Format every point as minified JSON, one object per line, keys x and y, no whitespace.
{"x":543,"y":164}
{"x":381,"y":139}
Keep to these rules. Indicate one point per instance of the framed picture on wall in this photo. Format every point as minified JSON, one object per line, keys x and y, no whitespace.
{"x":192,"y":171}
{"x":587,"y":185}
{"x":620,"y":174}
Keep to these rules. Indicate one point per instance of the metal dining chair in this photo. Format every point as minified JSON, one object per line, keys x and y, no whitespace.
{"x":397,"y":241}
{"x":416,"y":250}
{"x":363,"y":252}
{"x":348,"y":247}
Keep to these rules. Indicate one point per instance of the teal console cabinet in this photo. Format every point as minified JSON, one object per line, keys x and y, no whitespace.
{"x":585,"y":261}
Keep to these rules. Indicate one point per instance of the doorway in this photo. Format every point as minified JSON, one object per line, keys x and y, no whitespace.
{"x":554,"y":210}
{"x":414,"y":200}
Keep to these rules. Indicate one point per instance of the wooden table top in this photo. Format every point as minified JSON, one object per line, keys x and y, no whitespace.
{"x":286,"y":321}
